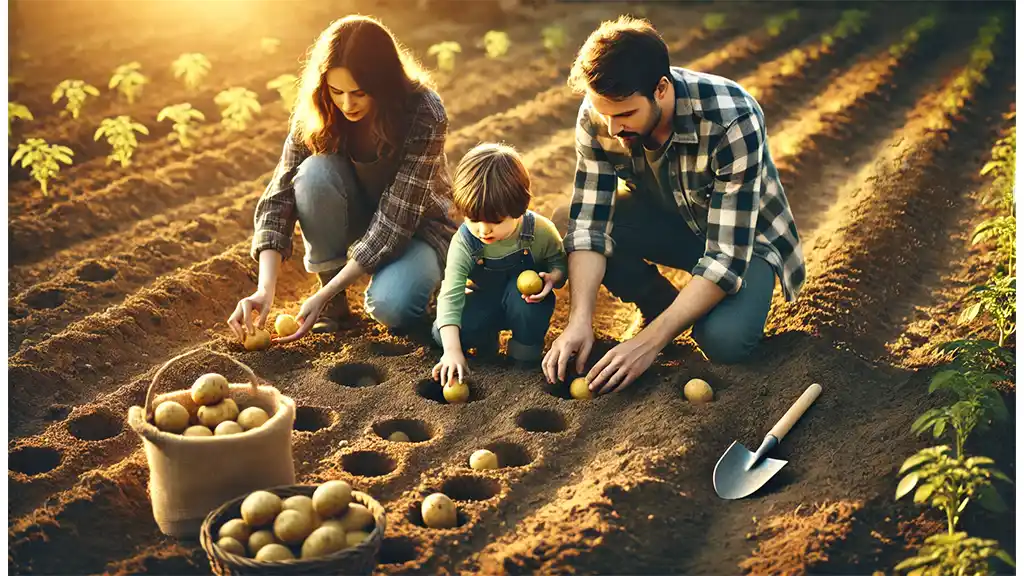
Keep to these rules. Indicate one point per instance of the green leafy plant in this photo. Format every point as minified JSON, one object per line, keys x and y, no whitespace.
{"x":776,"y":23}
{"x":496,"y":43}
{"x":182,"y":115}
{"x":75,"y":92}
{"x":287,"y":86}
{"x":978,"y":355}
{"x":998,"y":300}
{"x":269,"y":45}
{"x":445,"y":53}
{"x":128,"y":80}
{"x":120,"y":134}
{"x":713,"y":21}
{"x":912,"y":34}
{"x":850,"y":22}
{"x":1002,"y":230}
{"x":554,"y":38}
{"x":955,"y":553}
{"x":977,"y":402}
{"x":43,"y":159}
{"x":964,"y":86}
{"x":17,"y":111}
{"x":238,"y":105}
{"x":191,"y":68}
{"x":949,"y":483}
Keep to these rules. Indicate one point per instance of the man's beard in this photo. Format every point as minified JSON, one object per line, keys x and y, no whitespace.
{"x":644,"y":136}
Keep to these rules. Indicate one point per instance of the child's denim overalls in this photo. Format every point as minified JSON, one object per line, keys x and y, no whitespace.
{"x":496,"y":304}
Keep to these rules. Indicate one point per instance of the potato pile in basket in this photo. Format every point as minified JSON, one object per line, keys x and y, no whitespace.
{"x":272,"y":529}
{"x":217,"y":414}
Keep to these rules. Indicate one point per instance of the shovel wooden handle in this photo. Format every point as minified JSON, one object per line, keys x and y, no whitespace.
{"x":795,"y":411}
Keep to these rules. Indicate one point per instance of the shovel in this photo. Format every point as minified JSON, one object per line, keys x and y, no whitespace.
{"x":740,"y":472}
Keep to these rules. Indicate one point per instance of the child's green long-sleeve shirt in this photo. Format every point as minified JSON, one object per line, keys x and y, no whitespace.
{"x":548,"y":253}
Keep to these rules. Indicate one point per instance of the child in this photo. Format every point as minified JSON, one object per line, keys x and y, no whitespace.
{"x":499,"y":239}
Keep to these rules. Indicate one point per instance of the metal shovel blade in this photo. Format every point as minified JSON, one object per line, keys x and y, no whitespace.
{"x":733,"y":480}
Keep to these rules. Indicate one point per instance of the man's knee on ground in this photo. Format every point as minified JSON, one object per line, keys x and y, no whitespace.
{"x":725,"y":342}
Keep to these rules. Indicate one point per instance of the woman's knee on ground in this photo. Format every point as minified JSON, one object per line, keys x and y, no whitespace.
{"x":395,"y":308}
{"x":318,"y":175}
{"x":725,"y":341}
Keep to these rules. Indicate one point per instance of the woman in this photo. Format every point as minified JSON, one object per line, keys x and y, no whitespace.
{"x":364,"y":172}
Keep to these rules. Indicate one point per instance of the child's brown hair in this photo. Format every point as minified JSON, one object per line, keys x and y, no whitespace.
{"x":491,"y":184}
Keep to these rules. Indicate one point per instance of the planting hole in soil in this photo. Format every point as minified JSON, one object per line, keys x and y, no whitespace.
{"x":96,"y":272}
{"x":471,"y":488}
{"x":558,"y":389}
{"x":510,"y":454}
{"x":368,"y":463}
{"x":33,"y":460}
{"x":416,"y":430}
{"x":390,"y":349}
{"x":540,"y":420}
{"x":95,"y":426}
{"x":356,"y":375}
{"x":432,"y":390}
{"x":46,"y":299}
{"x":199,"y":235}
{"x":56,"y":412}
{"x":415,"y":516}
{"x":398,"y":550}
{"x":312,"y":418}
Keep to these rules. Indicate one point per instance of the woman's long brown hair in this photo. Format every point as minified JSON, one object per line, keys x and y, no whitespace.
{"x":380,"y":65}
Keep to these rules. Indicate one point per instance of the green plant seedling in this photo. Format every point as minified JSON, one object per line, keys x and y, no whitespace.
{"x":43,"y":159}
{"x":496,"y":43}
{"x":183,"y":116}
{"x":191,"y":68}
{"x":956,"y":553}
{"x":445,"y":53}
{"x":238,"y":107}
{"x":128,"y":80}
{"x":75,"y":92}
{"x":17,"y":111}
{"x":120,"y":134}
{"x":287,"y":86}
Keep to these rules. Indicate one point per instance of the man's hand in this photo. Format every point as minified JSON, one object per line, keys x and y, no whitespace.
{"x":308,"y":314}
{"x":578,"y":338}
{"x":550,"y":279}
{"x":624,"y":363}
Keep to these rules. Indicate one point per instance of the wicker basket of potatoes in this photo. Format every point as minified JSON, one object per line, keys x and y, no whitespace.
{"x":211,"y":442}
{"x":297,"y":529}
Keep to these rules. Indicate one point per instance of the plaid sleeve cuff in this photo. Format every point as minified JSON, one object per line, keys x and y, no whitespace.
{"x":594,"y":240}
{"x":719,"y":273}
{"x":270,"y":239}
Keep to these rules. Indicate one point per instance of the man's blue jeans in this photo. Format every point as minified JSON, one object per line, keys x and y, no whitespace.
{"x":333,"y":213}
{"x":646,"y":234}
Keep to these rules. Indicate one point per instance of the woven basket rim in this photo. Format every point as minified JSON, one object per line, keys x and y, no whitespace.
{"x":368,"y":546}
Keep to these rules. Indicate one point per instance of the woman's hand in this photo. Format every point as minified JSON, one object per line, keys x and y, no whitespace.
{"x":308,"y":314}
{"x":550,"y":279}
{"x":451,"y":363}
{"x":241,"y":320}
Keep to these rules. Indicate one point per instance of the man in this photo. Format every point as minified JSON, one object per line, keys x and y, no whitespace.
{"x":702,"y":194}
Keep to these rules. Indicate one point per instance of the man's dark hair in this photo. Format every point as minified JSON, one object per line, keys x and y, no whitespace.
{"x":620,"y":58}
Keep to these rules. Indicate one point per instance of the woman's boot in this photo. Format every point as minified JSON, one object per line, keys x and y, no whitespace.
{"x":335,"y":311}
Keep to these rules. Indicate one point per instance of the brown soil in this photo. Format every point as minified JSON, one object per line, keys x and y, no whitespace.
{"x":122,"y":269}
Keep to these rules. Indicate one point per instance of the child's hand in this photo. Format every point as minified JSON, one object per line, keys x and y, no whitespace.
{"x":450,"y":364}
{"x":550,"y":279}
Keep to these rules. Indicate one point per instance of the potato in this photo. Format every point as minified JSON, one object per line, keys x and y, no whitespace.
{"x":357,"y":518}
{"x":252,"y":417}
{"x":292,"y":526}
{"x":698,"y":391}
{"x":260,"y":340}
{"x":211,"y":416}
{"x":529,"y":283}
{"x":198,"y":430}
{"x":332,"y":498}
{"x":235,"y":528}
{"x":438,"y":511}
{"x":579,"y":390}
{"x":274,"y":553}
{"x":356,"y":538}
{"x":209,"y":389}
{"x":260,"y":508}
{"x":228,"y":427}
{"x":456,"y":392}
{"x":231,"y":546}
{"x":259,"y":539}
{"x":483,"y":460}
{"x":398,"y":436}
{"x":302,"y":504}
{"x":325,"y":540}
{"x":171,"y":417}
{"x":285,"y":325}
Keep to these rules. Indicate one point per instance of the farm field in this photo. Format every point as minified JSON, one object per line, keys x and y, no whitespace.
{"x":882,"y":121}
